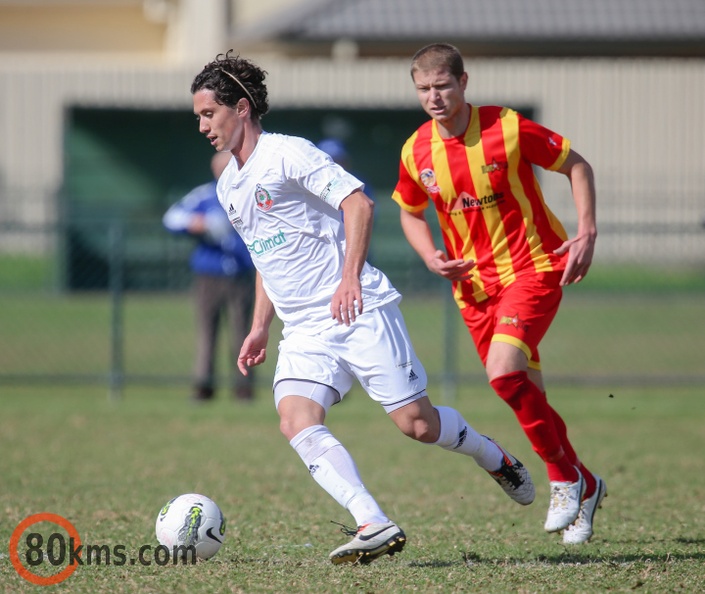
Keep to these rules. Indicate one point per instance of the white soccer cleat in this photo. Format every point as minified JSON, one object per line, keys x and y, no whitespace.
{"x":581,"y":530}
{"x":564,"y":504}
{"x":371,"y":541}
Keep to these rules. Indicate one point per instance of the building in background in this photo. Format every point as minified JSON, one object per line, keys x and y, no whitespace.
{"x":78,"y":78}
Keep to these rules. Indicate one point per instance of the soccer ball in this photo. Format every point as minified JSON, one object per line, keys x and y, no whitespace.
{"x":191,"y":520}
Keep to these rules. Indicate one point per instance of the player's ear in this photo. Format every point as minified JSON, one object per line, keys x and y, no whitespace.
{"x":242,"y":106}
{"x":463,"y":80}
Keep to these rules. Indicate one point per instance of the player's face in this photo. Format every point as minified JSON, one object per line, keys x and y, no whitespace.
{"x":221,"y":124}
{"x":442,"y":96}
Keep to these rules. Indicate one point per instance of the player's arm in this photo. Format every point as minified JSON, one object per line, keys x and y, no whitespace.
{"x":358,"y":216}
{"x":418,"y":234}
{"x":254,"y":348}
{"x":580,"y":248}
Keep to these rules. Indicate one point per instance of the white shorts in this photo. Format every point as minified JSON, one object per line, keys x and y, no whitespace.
{"x":375,"y":349}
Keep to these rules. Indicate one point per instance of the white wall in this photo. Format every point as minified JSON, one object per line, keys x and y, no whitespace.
{"x":639,"y":122}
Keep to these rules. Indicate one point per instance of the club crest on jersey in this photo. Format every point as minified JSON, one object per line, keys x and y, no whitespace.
{"x":428,"y":179}
{"x":263,"y":198}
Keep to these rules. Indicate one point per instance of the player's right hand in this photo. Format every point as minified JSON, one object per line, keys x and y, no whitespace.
{"x":253,"y":351}
{"x":453,"y":270}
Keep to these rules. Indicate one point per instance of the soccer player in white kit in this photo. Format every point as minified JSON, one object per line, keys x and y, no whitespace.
{"x":341,"y":319}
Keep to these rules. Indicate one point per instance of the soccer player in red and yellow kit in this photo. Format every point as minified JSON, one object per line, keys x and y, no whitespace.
{"x":506,"y":254}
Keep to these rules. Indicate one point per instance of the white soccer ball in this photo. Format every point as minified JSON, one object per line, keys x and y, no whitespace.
{"x":191,"y":520}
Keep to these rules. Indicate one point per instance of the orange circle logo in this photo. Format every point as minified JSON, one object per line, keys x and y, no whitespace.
{"x":26,"y":573}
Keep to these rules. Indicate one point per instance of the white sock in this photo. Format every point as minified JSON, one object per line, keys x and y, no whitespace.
{"x":458,"y":436}
{"x":332,"y":467}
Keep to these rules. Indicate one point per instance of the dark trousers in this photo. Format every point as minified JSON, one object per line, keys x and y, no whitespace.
{"x":222,"y":299}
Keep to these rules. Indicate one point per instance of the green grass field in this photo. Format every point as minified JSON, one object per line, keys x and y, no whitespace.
{"x":595,"y":338}
{"x":108,"y":467}
{"x":624,"y":364}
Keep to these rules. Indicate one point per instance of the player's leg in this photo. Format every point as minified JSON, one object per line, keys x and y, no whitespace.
{"x":330,"y":464}
{"x":521,"y":315}
{"x":536,"y":377}
{"x":573,"y":500}
{"x":445,"y":427}
{"x":381,"y":356}
{"x":562,"y":430}
{"x":302,"y":406}
{"x":595,"y":491}
{"x":507,"y":371}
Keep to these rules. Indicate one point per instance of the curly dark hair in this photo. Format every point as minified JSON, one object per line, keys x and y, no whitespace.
{"x":232,"y":78}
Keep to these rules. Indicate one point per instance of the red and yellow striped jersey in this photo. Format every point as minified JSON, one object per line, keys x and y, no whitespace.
{"x":487,"y":197}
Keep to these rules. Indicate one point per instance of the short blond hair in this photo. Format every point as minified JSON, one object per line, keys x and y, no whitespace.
{"x":438,"y":56}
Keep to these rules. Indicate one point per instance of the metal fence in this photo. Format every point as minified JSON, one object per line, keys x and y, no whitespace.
{"x":108,"y":303}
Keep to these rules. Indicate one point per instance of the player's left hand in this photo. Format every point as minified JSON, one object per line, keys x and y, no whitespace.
{"x":580,"y":251}
{"x":346,"y":304}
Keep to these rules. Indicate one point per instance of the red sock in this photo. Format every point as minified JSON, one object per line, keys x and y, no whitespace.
{"x":590,"y":482}
{"x":536,"y":419}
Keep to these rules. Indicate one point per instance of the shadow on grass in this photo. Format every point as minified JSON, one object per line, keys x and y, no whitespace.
{"x":618,"y":558}
{"x":570,"y":558}
{"x":691,"y":541}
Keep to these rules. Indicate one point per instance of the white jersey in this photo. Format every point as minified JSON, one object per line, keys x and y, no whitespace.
{"x":284,"y":203}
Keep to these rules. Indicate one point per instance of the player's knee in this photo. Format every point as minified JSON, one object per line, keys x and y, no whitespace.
{"x":287,"y":428}
{"x":418,"y":420}
{"x":420,"y":430}
{"x":510,"y":386}
{"x":291,"y":425}
{"x":297,"y":413}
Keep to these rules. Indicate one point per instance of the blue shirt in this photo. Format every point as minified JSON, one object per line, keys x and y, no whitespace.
{"x":219,"y":251}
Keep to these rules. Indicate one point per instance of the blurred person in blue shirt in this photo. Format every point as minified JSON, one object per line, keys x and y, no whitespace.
{"x":224,"y":282}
